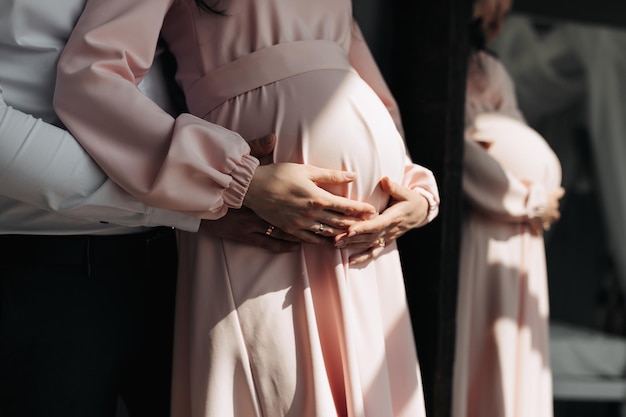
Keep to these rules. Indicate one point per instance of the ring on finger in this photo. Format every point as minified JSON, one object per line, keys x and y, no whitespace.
{"x":381,"y":242}
{"x":320,"y":228}
{"x":269,"y":230}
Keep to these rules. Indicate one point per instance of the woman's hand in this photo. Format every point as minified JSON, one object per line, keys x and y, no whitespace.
{"x":550,"y":214}
{"x":287,"y":196}
{"x":407,"y":210}
{"x":244,"y":226}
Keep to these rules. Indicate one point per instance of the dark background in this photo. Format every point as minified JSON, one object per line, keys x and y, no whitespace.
{"x":421,"y":49}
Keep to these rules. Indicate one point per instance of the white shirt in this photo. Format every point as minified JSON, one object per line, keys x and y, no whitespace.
{"x":48,"y":183}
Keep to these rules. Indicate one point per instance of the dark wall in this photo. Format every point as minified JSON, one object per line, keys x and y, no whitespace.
{"x":374,"y":17}
{"x":427,"y":77}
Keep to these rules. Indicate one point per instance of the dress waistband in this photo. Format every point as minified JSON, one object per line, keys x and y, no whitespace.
{"x":263,"y":67}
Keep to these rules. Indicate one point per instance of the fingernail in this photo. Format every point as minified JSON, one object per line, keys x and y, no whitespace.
{"x":350,"y":175}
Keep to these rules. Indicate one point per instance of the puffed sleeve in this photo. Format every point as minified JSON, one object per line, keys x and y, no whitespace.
{"x":422,"y":180}
{"x":184,"y":163}
{"x":497,"y":193}
{"x":48,"y":169}
{"x":487,"y":185}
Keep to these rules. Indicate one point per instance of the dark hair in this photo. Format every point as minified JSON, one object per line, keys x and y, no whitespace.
{"x":477,"y":38}
{"x":211,"y":8}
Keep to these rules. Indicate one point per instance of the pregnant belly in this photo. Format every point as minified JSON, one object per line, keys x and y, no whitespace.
{"x":326,"y":118}
{"x":519,"y":149}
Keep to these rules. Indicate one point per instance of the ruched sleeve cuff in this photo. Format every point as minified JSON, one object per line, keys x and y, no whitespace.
{"x":241,"y":177}
{"x":433,"y":205}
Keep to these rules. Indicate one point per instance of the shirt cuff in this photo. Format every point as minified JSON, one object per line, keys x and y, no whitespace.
{"x":163,"y":217}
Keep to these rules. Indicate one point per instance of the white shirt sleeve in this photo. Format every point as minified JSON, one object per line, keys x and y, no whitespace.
{"x":44,"y":166}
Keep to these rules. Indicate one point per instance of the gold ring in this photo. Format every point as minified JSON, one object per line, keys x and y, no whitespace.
{"x":269,"y":230}
{"x":381,"y":242}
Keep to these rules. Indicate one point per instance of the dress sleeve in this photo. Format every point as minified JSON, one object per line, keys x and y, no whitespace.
{"x":502,"y":83}
{"x":51,"y":171}
{"x":490,"y":88}
{"x":487,"y":186}
{"x":185,"y":163}
{"x":496,"y":193}
{"x":422,"y":180}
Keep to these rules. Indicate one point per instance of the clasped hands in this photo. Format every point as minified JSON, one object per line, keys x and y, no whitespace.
{"x":550,"y":214}
{"x":286,"y":196}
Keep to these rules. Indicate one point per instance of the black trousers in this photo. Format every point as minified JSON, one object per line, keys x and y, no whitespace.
{"x":84,"y":320}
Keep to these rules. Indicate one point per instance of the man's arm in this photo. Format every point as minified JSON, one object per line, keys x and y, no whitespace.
{"x":44,"y":166}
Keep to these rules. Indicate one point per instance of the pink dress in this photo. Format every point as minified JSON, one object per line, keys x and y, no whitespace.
{"x":502,"y":361}
{"x":299,"y":334}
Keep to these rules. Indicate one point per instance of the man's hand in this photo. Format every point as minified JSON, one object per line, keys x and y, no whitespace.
{"x":263,"y":147}
{"x":243,"y":226}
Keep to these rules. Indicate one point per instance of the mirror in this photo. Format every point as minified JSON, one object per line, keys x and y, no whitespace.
{"x":570,"y":80}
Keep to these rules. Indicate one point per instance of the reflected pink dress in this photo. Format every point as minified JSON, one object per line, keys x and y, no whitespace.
{"x":298,"y":334}
{"x":502,"y":361}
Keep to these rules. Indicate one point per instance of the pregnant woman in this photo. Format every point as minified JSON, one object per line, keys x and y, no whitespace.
{"x":305,"y":333}
{"x":512,"y":185}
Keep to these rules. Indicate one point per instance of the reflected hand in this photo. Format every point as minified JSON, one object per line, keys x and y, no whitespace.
{"x":550,"y":214}
{"x":407,"y":210}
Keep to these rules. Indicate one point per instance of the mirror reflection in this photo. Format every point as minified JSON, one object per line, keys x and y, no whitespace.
{"x":570,"y":83}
